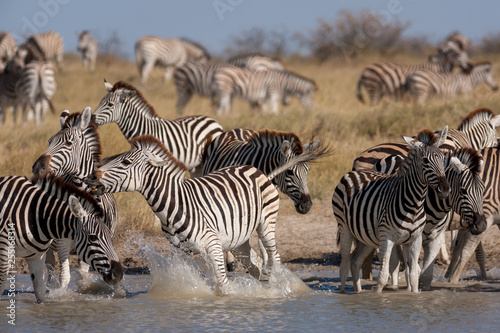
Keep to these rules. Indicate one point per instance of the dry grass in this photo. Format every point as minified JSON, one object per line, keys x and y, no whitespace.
{"x":339,"y":119}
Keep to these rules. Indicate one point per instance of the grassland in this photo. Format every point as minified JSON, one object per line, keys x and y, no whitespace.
{"x":338,"y":118}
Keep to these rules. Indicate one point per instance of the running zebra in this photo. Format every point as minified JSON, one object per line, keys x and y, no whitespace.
{"x":389,"y":78}
{"x":380,"y":210}
{"x":73,"y":153}
{"x":256,"y":62}
{"x":169,"y":53}
{"x":468,"y":243}
{"x":185,"y":138}
{"x":264,"y":88}
{"x":47,"y":46}
{"x":32,"y":216}
{"x":425,"y":83}
{"x":210,"y":214}
{"x":88,"y":48}
{"x":194,"y":78}
{"x":7,"y":49}
{"x":35,"y":87}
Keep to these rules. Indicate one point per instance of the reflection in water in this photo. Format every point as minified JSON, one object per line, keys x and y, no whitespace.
{"x":178,"y":296}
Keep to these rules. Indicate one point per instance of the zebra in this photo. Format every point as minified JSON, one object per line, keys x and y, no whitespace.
{"x":47,"y":46}
{"x":380,"y":210}
{"x":256,"y":62}
{"x":33,"y":214}
{"x":184,"y":137}
{"x":35,"y":87}
{"x":7,"y":49}
{"x":210,"y":214}
{"x":477,"y":130}
{"x":169,"y":53}
{"x":74,"y":152}
{"x":468,"y":243}
{"x":462,"y":169}
{"x":194,"y":78}
{"x":389,"y":78}
{"x":88,"y":48}
{"x":425,"y":83}
{"x":8,"y":80}
{"x":264,"y":88}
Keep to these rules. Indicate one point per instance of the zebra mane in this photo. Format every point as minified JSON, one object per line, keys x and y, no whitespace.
{"x":147,"y":140}
{"x":269,"y":137}
{"x":471,"y":158}
{"x":475,"y":117}
{"x":125,"y":85}
{"x":428,"y":138}
{"x":90,"y":132}
{"x":481,"y":63}
{"x":63,"y":190}
{"x":197,"y":45}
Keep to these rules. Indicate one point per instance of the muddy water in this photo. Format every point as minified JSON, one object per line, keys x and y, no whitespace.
{"x":178,"y":297}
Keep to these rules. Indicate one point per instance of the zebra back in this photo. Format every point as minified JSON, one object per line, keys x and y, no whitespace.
{"x":47,"y":46}
{"x":256,"y":62}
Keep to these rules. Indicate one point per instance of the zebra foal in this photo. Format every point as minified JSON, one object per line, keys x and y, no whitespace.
{"x":35,"y":213}
{"x":211,"y":214}
{"x":380,"y":210}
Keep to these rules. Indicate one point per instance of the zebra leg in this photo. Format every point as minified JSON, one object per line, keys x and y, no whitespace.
{"x":394,"y":264}
{"x":359,"y":255}
{"x":431,"y":250}
{"x":267,"y":234}
{"x":59,"y":60}
{"x":443,"y":251}
{"x":479,"y":252}
{"x":145,"y":70}
{"x":216,"y":259}
{"x":386,"y":246}
{"x":168,"y":73}
{"x":83,"y":269}
{"x":412,"y":251}
{"x":36,"y":265}
{"x":63,"y":251}
{"x":183,"y":97}
{"x":230,"y":261}
{"x":345,"y":244}
{"x":464,"y":249}
{"x":50,"y":265}
{"x":4,"y":263}
{"x":223,"y":104}
{"x":366,"y":268}
{"x":264,"y":256}
{"x":243,"y":254}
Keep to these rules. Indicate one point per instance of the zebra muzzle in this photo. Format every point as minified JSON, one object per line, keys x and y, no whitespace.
{"x":94,"y":184}
{"x":478,"y":224}
{"x":115,"y":275}
{"x":41,"y":165}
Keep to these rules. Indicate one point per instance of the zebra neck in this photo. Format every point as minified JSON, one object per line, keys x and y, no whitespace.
{"x":409,"y":176}
{"x":55,"y":222}
{"x":441,"y":64}
{"x":475,"y":78}
{"x":137,"y":118}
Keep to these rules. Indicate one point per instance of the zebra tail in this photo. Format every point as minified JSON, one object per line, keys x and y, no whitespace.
{"x":306,"y":156}
{"x":359,"y":95}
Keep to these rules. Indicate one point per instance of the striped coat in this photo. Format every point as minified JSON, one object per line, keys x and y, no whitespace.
{"x":7,"y":49}
{"x":47,"y":46}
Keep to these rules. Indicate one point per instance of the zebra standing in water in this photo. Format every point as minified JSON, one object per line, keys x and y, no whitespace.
{"x":88,"y":48}
{"x":7,"y":49}
{"x":380,"y":210}
{"x":425,"y":83}
{"x":32,"y":216}
{"x":48,"y":46}
{"x":169,"y":53}
{"x":256,"y":62}
{"x":185,"y":138}
{"x":35,"y":87}
{"x":389,"y":78}
{"x":74,"y":152}
{"x":264,"y":88}
{"x":210,"y":214}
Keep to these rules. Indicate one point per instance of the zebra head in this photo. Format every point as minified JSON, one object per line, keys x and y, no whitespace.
{"x":428,"y":160}
{"x":299,"y":87}
{"x":467,"y":188}
{"x":455,"y":56}
{"x":112,"y":104}
{"x":94,"y":244}
{"x":484,"y":70}
{"x":83,"y":40}
{"x":74,"y":150}
{"x":127,"y":172}
{"x":480,"y":128}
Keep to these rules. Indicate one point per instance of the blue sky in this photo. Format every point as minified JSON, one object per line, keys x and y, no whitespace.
{"x":212,"y":22}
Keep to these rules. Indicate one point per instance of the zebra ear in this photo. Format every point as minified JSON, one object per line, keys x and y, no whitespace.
{"x":108,"y":86}
{"x":155,"y":160}
{"x":457,"y":165}
{"x":63,"y":117}
{"x":127,"y":94}
{"x":86,"y":116}
{"x":76,"y":208}
{"x":312,"y":146}
{"x":495,"y":121}
{"x":410,"y":141}
{"x":286,"y":148}
{"x":442,"y":136}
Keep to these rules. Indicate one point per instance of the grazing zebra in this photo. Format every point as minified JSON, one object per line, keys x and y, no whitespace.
{"x":169,"y":53}
{"x":467,"y":242}
{"x":423,"y":84}
{"x":32,"y":216}
{"x":35,"y":87}
{"x":477,"y":130}
{"x":88,"y":48}
{"x":256,"y":62}
{"x":185,"y":138}
{"x":194,"y":78}
{"x":462,"y":169}
{"x":74,"y":152}
{"x":7,"y":49}
{"x":211,"y":214}
{"x":389,"y":78}
{"x":264,"y":88}
{"x":380,"y":210}
{"x":47,"y":46}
